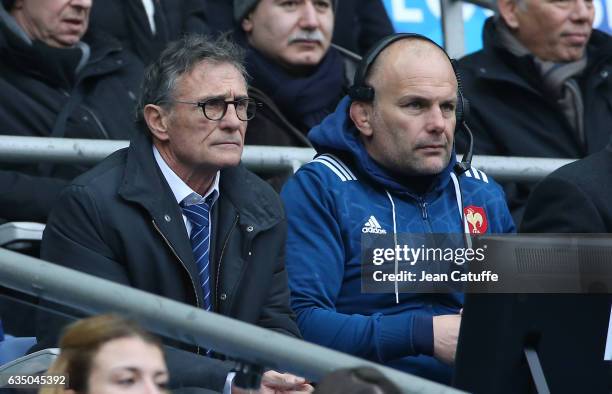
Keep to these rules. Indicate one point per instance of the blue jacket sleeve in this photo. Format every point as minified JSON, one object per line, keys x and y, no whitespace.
{"x":315,"y":261}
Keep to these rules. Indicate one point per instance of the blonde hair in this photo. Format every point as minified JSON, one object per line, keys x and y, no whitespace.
{"x":80,"y":343}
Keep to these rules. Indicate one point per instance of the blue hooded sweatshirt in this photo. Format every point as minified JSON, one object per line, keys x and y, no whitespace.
{"x":336,"y":198}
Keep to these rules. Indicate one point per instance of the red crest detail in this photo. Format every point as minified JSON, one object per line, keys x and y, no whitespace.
{"x":476,"y":219}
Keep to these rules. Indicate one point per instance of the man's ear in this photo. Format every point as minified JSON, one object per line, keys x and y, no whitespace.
{"x":507,"y":11}
{"x":247,"y":23}
{"x":157,"y":120}
{"x":360,"y":114}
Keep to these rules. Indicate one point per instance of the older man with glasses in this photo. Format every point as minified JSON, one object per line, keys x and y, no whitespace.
{"x":175,"y":214}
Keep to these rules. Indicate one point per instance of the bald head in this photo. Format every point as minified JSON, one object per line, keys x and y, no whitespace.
{"x":412,"y":52}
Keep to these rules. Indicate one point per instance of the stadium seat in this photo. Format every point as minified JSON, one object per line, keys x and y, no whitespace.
{"x":31,"y":364}
{"x":23,"y":237}
{"x":11,"y":348}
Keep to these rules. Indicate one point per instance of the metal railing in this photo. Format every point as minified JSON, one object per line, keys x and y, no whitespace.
{"x":259,"y":158}
{"x":452,"y":24}
{"x":188,"y":324}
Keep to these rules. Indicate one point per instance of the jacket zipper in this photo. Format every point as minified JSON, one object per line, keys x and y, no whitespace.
{"x":195,"y":293}
{"x":423,"y":205}
{"x":97,"y":121}
{"x":92,"y":114}
{"x":221,"y":258}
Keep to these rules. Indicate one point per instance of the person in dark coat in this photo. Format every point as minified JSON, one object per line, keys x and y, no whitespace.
{"x":146,"y":29}
{"x":576,"y":198}
{"x":57,"y":81}
{"x":540,"y":87}
{"x":175,"y":214}
{"x":295,"y":72}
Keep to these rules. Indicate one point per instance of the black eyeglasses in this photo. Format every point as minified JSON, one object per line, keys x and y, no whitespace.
{"x":215,"y":108}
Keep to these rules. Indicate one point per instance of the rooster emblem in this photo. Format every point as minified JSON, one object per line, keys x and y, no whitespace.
{"x":476,"y":218}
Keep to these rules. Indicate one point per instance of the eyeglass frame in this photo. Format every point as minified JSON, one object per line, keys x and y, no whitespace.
{"x":202,"y":105}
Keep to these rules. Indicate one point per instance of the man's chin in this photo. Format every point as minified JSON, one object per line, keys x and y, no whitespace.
{"x":433,"y":167}
{"x":230,"y":163}
{"x":305,"y":59}
{"x":67,"y":41}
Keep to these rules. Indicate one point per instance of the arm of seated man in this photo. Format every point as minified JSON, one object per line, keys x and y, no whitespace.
{"x":316,"y":258}
{"x":445,"y":336}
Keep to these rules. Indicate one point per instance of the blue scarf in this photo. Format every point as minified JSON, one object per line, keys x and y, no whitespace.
{"x":306,"y":100}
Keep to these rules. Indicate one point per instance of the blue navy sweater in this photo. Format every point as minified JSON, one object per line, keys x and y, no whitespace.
{"x":329,"y":202}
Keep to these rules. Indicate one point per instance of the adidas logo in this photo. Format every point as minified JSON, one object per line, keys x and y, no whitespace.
{"x":372,"y":226}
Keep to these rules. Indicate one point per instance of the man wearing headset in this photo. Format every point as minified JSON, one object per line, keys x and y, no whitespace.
{"x":386,"y":165}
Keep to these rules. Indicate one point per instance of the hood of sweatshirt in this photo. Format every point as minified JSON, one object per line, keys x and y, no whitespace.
{"x":338,"y":134}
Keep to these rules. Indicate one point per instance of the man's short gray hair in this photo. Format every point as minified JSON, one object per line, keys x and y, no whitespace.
{"x":179,"y":58}
{"x":522,"y":4}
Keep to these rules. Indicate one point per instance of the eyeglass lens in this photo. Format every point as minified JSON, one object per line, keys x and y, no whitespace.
{"x":215,"y":109}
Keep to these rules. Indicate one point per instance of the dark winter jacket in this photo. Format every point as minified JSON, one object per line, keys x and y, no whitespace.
{"x":272,"y":126}
{"x":36,"y":83}
{"x":120,"y":221}
{"x":511,"y":116}
{"x":574,"y":199}
{"x":127,"y":21}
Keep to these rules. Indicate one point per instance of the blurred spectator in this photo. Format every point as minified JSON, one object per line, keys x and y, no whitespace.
{"x":175,"y":214}
{"x":541,"y":85}
{"x":146,"y":26}
{"x":55,"y":81}
{"x":577,"y":198}
{"x":295,"y":73}
{"x":359,"y":23}
{"x":109,"y":354}
{"x":360,"y":380}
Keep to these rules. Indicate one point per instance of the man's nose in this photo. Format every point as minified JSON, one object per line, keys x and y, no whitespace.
{"x":84,"y":4}
{"x":582,"y":11}
{"x":436,"y":119}
{"x":308,"y":17}
{"x":230,"y":120}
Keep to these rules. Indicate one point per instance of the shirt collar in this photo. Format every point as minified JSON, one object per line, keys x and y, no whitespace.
{"x":182,"y":192}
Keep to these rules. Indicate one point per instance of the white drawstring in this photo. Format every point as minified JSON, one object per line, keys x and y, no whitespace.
{"x":458,"y":195}
{"x":394,"y":244}
{"x":466,"y":229}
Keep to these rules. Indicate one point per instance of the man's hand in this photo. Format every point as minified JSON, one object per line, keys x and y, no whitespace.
{"x":273,"y":382}
{"x":445,"y":335}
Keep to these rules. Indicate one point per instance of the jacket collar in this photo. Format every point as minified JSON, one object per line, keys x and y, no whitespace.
{"x":144,"y":184}
{"x":337,"y":134}
{"x":256,"y":208}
